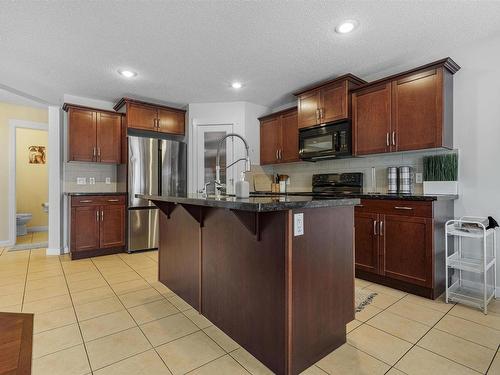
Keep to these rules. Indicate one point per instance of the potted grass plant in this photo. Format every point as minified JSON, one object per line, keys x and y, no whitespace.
{"x":441,"y":174}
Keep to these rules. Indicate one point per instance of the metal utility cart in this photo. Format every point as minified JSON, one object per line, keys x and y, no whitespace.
{"x":480,"y":261}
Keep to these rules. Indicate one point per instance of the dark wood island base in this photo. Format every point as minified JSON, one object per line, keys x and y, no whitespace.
{"x":284,"y":298}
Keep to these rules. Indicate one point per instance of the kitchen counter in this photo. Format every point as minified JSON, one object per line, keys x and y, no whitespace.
{"x":384,"y":196}
{"x":257,"y":203}
{"x":77,"y":194}
{"x":233,"y":260}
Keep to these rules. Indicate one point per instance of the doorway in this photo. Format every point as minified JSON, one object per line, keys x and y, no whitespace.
{"x":206,"y":141}
{"x":28,"y":185}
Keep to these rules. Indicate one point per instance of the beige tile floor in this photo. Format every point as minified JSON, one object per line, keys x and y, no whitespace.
{"x":32,"y":237}
{"x":110,"y":315}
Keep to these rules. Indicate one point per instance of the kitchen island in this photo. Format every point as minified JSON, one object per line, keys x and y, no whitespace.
{"x":274,"y":273}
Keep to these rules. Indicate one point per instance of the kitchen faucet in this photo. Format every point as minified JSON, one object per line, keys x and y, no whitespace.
{"x":218,"y":185}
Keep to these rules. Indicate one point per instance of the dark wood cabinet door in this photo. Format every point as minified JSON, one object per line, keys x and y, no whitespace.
{"x":141,"y":116}
{"x":84,"y":228}
{"x":334,"y":102}
{"x":366,"y":241}
{"x":270,"y":140}
{"x":112,"y":226}
{"x":108,"y":137}
{"x":308,"y":109}
{"x":82,"y":135}
{"x":371,"y":113}
{"x":289,"y":137}
{"x":171,"y":122}
{"x":418,"y":111}
{"x":408,"y":248}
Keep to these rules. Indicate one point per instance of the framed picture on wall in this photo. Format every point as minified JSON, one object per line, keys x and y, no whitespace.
{"x":37,"y":155}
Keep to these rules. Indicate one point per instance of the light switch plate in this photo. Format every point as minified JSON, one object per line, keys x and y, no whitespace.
{"x":108,"y":180}
{"x":81,"y":181}
{"x":298,"y":224}
{"x":418,"y":178}
{"x":92,"y":180}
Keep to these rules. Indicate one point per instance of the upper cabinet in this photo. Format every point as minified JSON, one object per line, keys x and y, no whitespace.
{"x":408,"y":111}
{"x":146,"y":116}
{"x":327,"y":102}
{"x":279,"y":137}
{"x":93,"y":135}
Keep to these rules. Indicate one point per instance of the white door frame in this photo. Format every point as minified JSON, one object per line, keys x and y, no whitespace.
{"x":193,"y":184}
{"x":13,"y":125}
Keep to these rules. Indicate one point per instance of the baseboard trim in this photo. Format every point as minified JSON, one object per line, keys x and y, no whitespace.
{"x":6,"y":243}
{"x":53,"y":251}
{"x":38,"y":229}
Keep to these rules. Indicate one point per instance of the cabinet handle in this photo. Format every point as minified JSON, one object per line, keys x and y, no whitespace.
{"x":99,"y":151}
{"x":86,"y":201}
{"x":387,"y":139}
{"x":321,"y":113}
{"x":277,"y":155}
{"x":394,"y":138}
{"x":381,"y":228}
{"x":113,"y":200}
{"x":102,"y":215}
{"x":375,"y":228}
{"x":94,"y":153}
{"x":281,"y":154}
{"x":403,"y":208}
{"x":318,"y":116}
{"x":97,"y":215}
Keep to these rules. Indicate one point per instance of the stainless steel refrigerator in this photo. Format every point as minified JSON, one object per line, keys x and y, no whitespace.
{"x":155,"y":167}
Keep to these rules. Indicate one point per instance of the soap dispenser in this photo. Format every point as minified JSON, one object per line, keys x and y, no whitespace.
{"x":242,"y":187}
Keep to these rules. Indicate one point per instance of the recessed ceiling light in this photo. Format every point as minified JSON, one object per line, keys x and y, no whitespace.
{"x":346,"y":26}
{"x":236,"y":85}
{"x":127,"y":73}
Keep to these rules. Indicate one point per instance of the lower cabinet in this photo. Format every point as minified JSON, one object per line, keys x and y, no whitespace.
{"x":97,"y":225}
{"x":401,"y":244}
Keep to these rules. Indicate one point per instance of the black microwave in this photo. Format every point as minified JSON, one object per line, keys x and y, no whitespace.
{"x":325,"y":142}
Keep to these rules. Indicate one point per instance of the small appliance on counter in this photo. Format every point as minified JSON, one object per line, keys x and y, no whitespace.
{"x":405,"y":180}
{"x":392,"y":180}
{"x":400,"y":180}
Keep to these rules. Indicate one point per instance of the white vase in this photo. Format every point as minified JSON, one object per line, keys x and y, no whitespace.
{"x":440,"y":187}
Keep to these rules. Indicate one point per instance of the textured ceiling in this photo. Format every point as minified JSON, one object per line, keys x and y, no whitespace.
{"x":190,"y":51}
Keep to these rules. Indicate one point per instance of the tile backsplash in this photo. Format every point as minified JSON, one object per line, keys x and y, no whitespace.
{"x":99,"y":172}
{"x":301,"y":172}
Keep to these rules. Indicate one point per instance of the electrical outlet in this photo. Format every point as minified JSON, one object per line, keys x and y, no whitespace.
{"x":108,"y":180}
{"x":298,"y":224}
{"x":81,"y":181}
{"x":418,"y":178}
{"x":92,"y":180}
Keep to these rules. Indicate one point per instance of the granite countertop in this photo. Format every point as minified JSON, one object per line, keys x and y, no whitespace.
{"x":382,"y":196}
{"x":256,"y":204}
{"x":76,"y":194}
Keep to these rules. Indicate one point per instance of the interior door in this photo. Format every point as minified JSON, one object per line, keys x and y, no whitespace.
{"x":82,"y":135}
{"x":171,"y":122}
{"x":289,"y":137}
{"x":85,"y":228}
{"x":108,"y":137}
{"x":371,"y":113}
{"x":207,"y":140}
{"x":334,"y":102}
{"x":366,"y":241}
{"x":270,"y":140}
{"x":408,"y":248}
{"x":308,"y":104}
{"x":417,"y":110}
{"x":112,"y":226}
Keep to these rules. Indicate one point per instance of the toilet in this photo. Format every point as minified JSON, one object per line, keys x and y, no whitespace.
{"x":21,"y":222}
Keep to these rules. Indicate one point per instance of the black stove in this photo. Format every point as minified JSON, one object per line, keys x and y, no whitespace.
{"x":337,"y":183}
